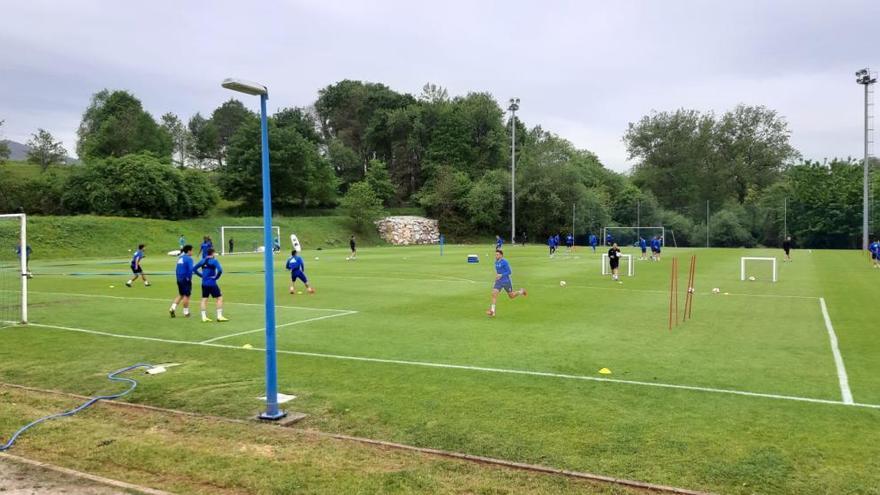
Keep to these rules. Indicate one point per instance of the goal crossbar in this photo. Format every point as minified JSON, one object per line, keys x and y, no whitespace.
{"x":22,"y":258}
{"x":742,"y":265}
{"x":224,"y":247}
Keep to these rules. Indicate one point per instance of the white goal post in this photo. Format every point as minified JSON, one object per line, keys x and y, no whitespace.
{"x":628,"y":236}
{"x":250,"y":239}
{"x":742,"y":265}
{"x":606,"y":267}
{"x":18,"y":267}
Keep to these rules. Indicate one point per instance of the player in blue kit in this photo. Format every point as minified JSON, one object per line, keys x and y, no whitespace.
{"x":551,"y":242}
{"x":499,"y":241}
{"x":874,"y":248}
{"x":502,"y":281}
{"x":569,"y":242}
{"x":209,"y":270}
{"x":609,"y":239}
{"x":643,"y":245}
{"x":27,"y":258}
{"x":184,"y":272}
{"x":136,"y":268}
{"x":656,"y":246}
{"x":297,"y":268}
{"x":205,"y":246}
{"x":594,"y":241}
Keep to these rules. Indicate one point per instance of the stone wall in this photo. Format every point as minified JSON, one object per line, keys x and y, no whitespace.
{"x":406,"y":230}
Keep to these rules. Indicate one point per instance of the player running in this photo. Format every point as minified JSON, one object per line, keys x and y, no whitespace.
{"x":614,"y":261}
{"x":609,"y":239}
{"x":551,"y":242}
{"x":502,"y":281}
{"x":643,"y":245}
{"x":209,"y":270}
{"x":594,"y":241}
{"x":874,"y":248}
{"x":136,"y":268}
{"x":297,"y":268}
{"x":354,"y":251}
{"x":786,"y":246}
{"x":184,"y":272}
{"x":499,"y":241}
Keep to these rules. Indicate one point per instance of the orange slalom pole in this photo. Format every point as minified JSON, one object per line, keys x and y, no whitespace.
{"x":689,"y":302}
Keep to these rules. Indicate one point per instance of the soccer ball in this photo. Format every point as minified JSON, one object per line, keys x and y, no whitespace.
{"x":690,"y":290}
{"x":562,"y":283}
{"x":752,"y":279}
{"x":316,"y":258}
{"x":347,"y":258}
{"x":716,"y":290}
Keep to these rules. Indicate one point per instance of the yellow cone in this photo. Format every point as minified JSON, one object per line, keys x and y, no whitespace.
{"x":605,"y":371}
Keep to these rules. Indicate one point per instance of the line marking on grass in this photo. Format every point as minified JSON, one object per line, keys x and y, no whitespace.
{"x":838,"y":359}
{"x":470,"y":368}
{"x":104,"y":296}
{"x":261,"y":329}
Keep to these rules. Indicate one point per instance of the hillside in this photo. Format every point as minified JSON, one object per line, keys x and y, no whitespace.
{"x":19,"y":152}
{"x":112,"y":237}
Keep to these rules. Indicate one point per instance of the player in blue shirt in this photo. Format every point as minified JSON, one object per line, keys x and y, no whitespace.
{"x":874,"y":248}
{"x":551,"y":242}
{"x":27,"y":258}
{"x":609,"y":239}
{"x":205,"y":246}
{"x":656,"y":248}
{"x":502,"y":281}
{"x":569,"y":242}
{"x":594,"y":241}
{"x":181,"y":241}
{"x":498,"y":242}
{"x":136,"y":268}
{"x":643,"y":245}
{"x":184,"y":272}
{"x":209,"y":270}
{"x":297,"y":268}
{"x":276,"y":245}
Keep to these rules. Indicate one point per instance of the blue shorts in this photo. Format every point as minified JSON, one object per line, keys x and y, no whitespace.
{"x":298,"y":275}
{"x":211,"y":291}
{"x":184,"y":287}
{"x":500,"y":284}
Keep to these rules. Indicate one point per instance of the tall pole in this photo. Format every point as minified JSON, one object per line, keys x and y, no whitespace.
{"x":514,"y":106}
{"x":707,"y":223}
{"x":784,"y":218}
{"x":865,"y":78}
{"x":638,"y":219}
{"x":272,"y":411}
{"x":572,"y":218}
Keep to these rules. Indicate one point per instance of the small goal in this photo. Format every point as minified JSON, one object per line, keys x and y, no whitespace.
{"x":14,"y":272}
{"x":238,"y":239}
{"x":606,"y":267}
{"x":742,"y":265}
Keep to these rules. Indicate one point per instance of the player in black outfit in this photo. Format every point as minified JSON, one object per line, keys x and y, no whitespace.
{"x":614,"y":261}
{"x":786,"y":246}
{"x":353,"y":249}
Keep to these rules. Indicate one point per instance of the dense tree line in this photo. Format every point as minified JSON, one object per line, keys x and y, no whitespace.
{"x":365,"y":147}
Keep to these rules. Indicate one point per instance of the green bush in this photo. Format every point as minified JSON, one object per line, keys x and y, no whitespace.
{"x":361,"y":205}
{"x":728,"y":229}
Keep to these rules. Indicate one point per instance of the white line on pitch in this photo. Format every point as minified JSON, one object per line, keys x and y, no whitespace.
{"x":474,"y":368}
{"x":215,"y":339}
{"x":838,"y":359}
{"x":104,"y":296}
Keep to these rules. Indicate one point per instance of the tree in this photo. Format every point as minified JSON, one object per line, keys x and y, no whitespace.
{"x":345,"y":162}
{"x":227,"y":119}
{"x":4,"y":148}
{"x":115,"y":124}
{"x":444,"y":198}
{"x":379,"y":180}
{"x":205,"y":139}
{"x":362,"y":205}
{"x":486,"y":202}
{"x":180,"y":138}
{"x":44,"y":150}
{"x":301,"y":120}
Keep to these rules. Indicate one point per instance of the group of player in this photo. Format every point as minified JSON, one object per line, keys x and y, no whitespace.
{"x":209,"y":270}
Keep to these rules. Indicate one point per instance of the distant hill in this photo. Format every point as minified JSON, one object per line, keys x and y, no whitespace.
{"x":19,"y":152}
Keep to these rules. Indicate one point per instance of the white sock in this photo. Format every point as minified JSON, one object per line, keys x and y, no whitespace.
{"x":204,"y":314}
{"x":219,"y":313}
{"x":186,"y":311}
{"x":493,"y":308}
{"x":173,"y":306}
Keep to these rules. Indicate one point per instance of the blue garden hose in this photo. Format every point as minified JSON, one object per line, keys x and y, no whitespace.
{"x":112,"y":376}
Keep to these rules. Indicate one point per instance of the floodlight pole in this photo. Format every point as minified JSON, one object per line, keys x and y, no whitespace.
{"x":865,"y":78}
{"x":514,"y":106}
{"x":272,"y":412}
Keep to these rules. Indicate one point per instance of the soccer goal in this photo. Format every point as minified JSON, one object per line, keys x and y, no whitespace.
{"x":14,"y":273}
{"x":236,"y":239}
{"x":742,"y":266}
{"x":629,"y":236}
{"x":606,"y":267}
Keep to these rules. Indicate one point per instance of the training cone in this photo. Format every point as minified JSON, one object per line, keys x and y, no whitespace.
{"x":247,"y":346}
{"x":604,"y":371}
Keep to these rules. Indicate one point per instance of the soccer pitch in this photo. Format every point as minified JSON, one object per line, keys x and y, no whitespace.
{"x":753,"y":395}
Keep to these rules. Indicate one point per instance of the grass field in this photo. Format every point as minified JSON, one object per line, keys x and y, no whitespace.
{"x":745,"y":398}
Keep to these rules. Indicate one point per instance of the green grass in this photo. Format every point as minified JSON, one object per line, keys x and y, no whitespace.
{"x":61,"y":237}
{"x":28,"y":171}
{"x":418,"y":362}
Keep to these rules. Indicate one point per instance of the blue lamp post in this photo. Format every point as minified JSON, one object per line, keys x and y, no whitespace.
{"x":272,"y":412}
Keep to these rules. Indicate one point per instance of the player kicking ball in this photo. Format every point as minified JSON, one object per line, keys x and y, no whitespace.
{"x":502,"y":281}
{"x":209,"y":270}
{"x":184,"y":272}
{"x":297,"y":267}
{"x":136,"y":268}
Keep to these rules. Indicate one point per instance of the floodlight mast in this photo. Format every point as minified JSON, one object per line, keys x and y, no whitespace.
{"x":514,"y":106}
{"x":865,"y":78}
{"x":255,"y":89}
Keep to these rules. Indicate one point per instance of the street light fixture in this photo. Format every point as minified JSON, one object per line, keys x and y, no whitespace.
{"x":514,"y":106}
{"x":254,"y":89}
{"x":865,"y":78}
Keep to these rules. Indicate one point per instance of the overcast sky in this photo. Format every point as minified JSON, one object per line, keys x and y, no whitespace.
{"x":583,"y":69}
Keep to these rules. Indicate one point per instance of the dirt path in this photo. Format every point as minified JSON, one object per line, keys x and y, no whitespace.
{"x":22,"y":479}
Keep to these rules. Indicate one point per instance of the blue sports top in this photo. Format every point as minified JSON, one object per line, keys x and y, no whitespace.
{"x":502,"y":267}
{"x":184,"y":268}
{"x":210,"y":271}
{"x":295,"y":264}
{"x":136,"y":259}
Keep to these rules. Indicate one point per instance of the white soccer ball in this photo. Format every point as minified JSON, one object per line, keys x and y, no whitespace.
{"x":752,"y":279}
{"x":562,"y":283}
{"x":316,"y":258}
{"x":347,"y":258}
{"x":716,"y":290}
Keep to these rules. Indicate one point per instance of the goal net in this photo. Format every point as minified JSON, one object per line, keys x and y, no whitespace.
{"x":245,"y":239}
{"x":13,"y":269}
{"x":629,"y":236}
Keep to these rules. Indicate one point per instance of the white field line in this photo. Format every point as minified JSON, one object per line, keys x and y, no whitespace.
{"x":215,"y":339}
{"x":103,"y":296}
{"x":838,"y":359}
{"x":472,"y":368}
